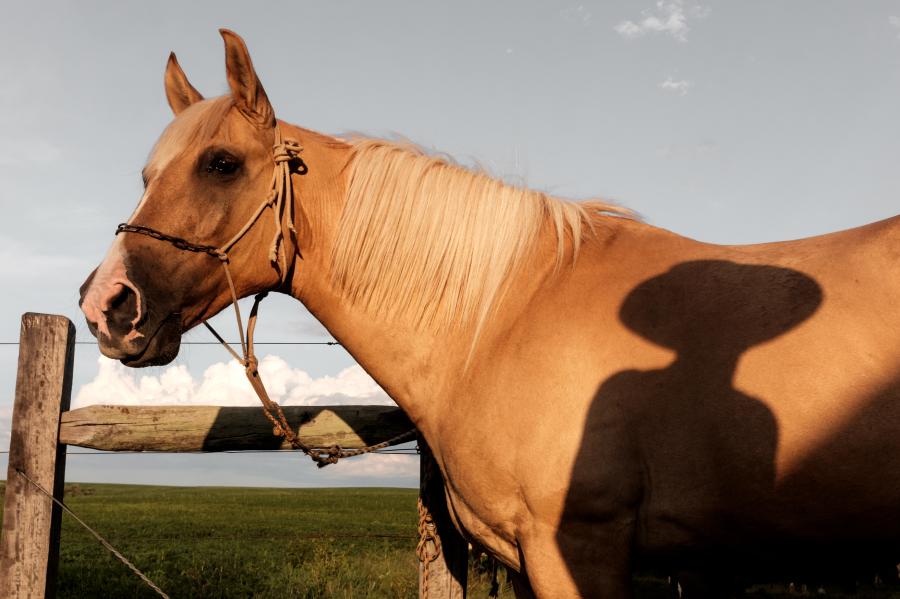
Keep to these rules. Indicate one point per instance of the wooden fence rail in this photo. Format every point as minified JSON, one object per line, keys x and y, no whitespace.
{"x":217,"y":428}
{"x":42,"y":426}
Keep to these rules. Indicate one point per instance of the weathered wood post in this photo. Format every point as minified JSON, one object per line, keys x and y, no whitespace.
{"x":443,"y":552}
{"x":29,"y":544}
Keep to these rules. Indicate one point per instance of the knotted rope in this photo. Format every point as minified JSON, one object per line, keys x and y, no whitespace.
{"x":281,"y":199}
{"x":428,"y":538}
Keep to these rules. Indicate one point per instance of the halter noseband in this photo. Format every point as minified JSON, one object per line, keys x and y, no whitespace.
{"x":280,"y":199}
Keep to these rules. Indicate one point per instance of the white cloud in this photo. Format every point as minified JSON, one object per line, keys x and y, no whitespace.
{"x":895,"y":23}
{"x":669,"y":17}
{"x":629,"y":29}
{"x":678,"y":86}
{"x":379,"y":465}
{"x":224,"y":384}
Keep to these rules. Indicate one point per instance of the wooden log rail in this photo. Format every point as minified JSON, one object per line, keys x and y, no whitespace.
{"x":29,"y":540}
{"x":218,"y":428}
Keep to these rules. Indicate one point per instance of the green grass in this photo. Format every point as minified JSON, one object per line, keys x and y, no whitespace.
{"x":243,"y":542}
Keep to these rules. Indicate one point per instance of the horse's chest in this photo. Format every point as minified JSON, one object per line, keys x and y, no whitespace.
{"x":486,"y":519}
{"x":484,"y":505}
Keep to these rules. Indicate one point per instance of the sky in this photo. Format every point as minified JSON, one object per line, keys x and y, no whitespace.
{"x":723,"y":121}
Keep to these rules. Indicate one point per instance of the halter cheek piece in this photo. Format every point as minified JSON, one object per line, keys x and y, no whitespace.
{"x":281,"y":200}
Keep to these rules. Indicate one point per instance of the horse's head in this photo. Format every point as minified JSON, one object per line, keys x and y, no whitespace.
{"x":207,"y":177}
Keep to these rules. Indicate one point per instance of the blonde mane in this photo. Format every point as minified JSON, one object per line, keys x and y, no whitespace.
{"x":430,"y":242}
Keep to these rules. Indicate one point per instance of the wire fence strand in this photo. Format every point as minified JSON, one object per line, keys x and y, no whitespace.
{"x":103,"y":452}
{"x":100,"y":452}
{"x":97,"y":535}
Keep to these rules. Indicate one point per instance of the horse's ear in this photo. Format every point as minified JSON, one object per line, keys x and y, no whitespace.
{"x":179,"y":91}
{"x":248,"y":93}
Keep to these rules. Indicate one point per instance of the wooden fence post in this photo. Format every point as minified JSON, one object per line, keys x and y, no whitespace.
{"x":446,"y":574}
{"x":29,"y":547}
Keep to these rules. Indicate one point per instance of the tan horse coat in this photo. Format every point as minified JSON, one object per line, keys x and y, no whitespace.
{"x":654,"y":397}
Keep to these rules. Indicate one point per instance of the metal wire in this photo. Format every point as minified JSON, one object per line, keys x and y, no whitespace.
{"x":103,"y":541}
{"x":101,"y":452}
{"x":294,"y":535}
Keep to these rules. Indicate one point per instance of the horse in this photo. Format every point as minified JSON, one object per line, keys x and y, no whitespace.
{"x":598,"y":393}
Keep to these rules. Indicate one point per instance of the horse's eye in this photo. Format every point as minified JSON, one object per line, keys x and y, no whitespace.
{"x":222,"y":165}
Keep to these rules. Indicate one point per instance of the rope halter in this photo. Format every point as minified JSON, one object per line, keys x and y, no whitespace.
{"x":281,"y":199}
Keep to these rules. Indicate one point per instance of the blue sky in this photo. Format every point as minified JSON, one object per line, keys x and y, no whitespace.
{"x":726,"y":122}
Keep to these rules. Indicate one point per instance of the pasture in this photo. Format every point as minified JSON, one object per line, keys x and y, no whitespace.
{"x":250,"y":542}
{"x":240,"y":542}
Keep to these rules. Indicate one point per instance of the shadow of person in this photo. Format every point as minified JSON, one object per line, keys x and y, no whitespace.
{"x":678,"y":457}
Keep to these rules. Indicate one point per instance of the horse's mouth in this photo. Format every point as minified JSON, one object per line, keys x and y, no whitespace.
{"x":161,"y":348}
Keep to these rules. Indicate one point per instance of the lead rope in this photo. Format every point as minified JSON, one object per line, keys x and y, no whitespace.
{"x":428,"y":548}
{"x":281,"y":200}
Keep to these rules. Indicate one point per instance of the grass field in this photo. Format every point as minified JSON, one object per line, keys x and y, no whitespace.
{"x":240,"y":542}
{"x":244,"y":542}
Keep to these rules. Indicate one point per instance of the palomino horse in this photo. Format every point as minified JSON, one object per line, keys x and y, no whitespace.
{"x":598,"y":393}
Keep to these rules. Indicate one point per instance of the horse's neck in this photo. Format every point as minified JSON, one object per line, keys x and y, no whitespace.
{"x":417,"y":367}
{"x":402,"y":360}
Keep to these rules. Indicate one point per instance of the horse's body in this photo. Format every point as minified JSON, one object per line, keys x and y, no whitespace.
{"x":743,"y":399}
{"x":644,"y":396}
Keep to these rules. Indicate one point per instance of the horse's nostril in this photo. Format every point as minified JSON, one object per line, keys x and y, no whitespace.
{"x":121,"y":308}
{"x":119,"y":299}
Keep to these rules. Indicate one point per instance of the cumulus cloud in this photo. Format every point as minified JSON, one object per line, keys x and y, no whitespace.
{"x":668,"y":17}
{"x":224,"y":384}
{"x":895,"y":23}
{"x":677,"y":86}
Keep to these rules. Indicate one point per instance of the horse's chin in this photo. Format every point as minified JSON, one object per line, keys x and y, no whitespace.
{"x":161,"y":348}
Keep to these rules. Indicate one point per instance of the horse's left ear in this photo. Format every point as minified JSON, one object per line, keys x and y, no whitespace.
{"x":179,"y":91}
{"x":248,"y":93}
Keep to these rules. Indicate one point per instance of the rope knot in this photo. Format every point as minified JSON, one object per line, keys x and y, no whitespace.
{"x":286,"y":151}
{"x":429,"y":546}
{"x":324,"y":456}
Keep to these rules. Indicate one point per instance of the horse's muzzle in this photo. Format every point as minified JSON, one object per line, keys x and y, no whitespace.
{"x":113,"y":308}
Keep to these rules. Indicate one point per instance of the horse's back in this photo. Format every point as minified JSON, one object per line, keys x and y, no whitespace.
{"x":726,"y":394}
